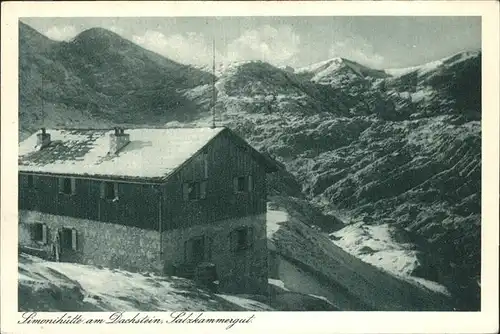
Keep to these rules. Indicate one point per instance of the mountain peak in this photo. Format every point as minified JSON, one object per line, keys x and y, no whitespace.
{"x":321,"y":66}
{"x":329,"y":69}
{"x":97,"y":33}
{"x":98,"y":40}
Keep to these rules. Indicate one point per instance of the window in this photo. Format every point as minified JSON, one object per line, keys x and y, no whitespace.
{"x":250,"y":183}
{"x":109,"y":190}
{"x":241,"y":238}
{"x":39,"y":232}
{"x":194,"y":190}
{"x":67,"y":186}
{"x":243,"y":184}
{"x":69,"y":238}
{"x":191,"y":191}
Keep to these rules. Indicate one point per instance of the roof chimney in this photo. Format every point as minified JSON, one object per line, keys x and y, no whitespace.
{"x":43,"y":139}
{"x":118,"y":140}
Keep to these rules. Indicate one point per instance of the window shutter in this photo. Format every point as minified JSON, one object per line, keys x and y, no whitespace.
{"x":73,"y":186}
{"x":196,"y":189}
{"x":250,"y":183}
{"x":30,"y":181}
{"x":115,"y":189}
{"x":32,"y":231}
{"x":44,"y":233}
{"x":185,"y":191}
{"x":250,"y":236}
{"x":235,"y":184}
{"x":203,"y":189}
{"x":61,"y":184}
{"x":103,"y":194}
{"x":208,"y":248}
{"x":73,"y":239}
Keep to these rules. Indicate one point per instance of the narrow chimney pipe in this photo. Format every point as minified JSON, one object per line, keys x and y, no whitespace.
{"x":118,"y":140}
{"x":43,"y":138}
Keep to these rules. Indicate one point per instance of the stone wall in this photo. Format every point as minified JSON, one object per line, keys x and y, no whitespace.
{"x":134,"y":249}
{"x":242,"y":271}
{"x":104,"y":244}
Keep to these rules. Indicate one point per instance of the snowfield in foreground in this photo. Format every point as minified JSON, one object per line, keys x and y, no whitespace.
{"x":56,"y":286}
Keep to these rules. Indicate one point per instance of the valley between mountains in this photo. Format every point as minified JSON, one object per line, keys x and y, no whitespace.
{"x":380,"y":180}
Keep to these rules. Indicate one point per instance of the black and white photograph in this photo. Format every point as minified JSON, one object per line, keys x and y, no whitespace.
{"x":249,"y":163}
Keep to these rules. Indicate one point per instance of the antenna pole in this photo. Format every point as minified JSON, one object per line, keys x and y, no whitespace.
{"x":214,"y":96}
{"x":42,"y":104}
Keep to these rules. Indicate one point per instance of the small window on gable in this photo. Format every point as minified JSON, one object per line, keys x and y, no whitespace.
{"x":67,"y":185}
{"x":109,"y":190}
{"x":243,"y":183}
{"x":239,"y":184}
{"x":194,"y":190}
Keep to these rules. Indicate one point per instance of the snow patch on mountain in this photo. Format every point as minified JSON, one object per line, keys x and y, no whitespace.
{"x":278,"y":283}
{"x":433,"y":65}
{"x":422,"y":69}
{"x":375,"y":245}
{"x":321,"y":67}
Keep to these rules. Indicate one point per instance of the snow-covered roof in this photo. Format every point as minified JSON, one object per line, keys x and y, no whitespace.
{"x":150,"y":154}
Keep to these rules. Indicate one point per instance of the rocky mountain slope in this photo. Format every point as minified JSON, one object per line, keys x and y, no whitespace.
{"x":399,"y":148}
{"x":402,"y":150}
{"x":99,"y":76}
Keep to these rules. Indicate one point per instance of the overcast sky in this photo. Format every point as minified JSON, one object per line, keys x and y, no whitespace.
{"x":379,"y":42}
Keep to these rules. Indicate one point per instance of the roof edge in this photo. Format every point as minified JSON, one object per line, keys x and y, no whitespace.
{"x":111,"y":178}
